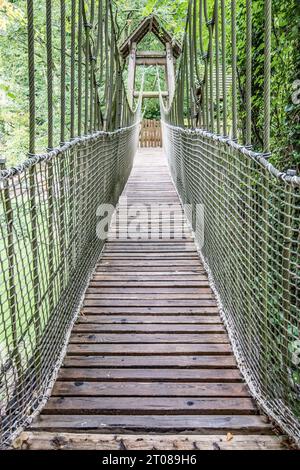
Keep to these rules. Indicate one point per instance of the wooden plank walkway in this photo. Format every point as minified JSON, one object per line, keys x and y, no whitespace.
{"x":149,"y":354}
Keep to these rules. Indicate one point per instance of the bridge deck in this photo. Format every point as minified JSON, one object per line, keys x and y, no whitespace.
{"x":149,"y":354}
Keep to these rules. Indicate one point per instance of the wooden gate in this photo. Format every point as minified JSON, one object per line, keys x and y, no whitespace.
{"x":150,"y":135}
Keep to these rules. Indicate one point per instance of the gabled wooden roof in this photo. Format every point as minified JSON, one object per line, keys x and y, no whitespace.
{"x":149,"y":24}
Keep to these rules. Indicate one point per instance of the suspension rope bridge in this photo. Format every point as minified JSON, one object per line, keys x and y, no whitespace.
{"x":127,"y":334}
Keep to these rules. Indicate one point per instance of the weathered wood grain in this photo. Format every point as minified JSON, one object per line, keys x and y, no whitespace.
{"x":87,"y":370}
{"x":150,"y":363}
{"x":124,"y":405}
{"x":148,"y":349}
{"x":153,"y":338}
{"x":89,"y":441}
{"x":149,"y":389}
{"x":204,"y":424}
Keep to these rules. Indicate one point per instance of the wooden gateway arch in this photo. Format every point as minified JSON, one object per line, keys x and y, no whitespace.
{"x":166,"y":58}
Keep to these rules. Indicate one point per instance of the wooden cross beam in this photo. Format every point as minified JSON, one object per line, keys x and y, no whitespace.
{"x":151,"y":58}
{"x":150,"y":94}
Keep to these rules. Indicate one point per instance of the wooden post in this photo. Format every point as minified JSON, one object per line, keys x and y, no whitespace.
{"x":170,"y":71}
{"x":131,"y":72}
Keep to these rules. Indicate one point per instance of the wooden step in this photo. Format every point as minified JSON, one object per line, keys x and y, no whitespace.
{"x":95,"y":441}
{"x":158,"y":405}
{"x":149,"y":389}
{"x":204,"y":424}
{"x":85,"y":369}
{"x":148,"y":349}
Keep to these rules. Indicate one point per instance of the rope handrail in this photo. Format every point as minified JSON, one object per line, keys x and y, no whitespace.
{"x":286,"y":176}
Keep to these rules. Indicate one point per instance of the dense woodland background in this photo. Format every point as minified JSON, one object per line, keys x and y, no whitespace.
{"x":285,"y":131}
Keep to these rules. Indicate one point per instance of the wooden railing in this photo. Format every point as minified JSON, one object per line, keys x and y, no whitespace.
{"x":150,"y":135}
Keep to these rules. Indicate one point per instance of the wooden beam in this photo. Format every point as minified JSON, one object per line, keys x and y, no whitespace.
{"x":150,"y":61}
{"x":60,"y":440}
{"x":149,"y":24}
{"x":156,"y":54}
{"x":150,"y":94}
{"x":170,"y":71}
{"x":131,"y":73}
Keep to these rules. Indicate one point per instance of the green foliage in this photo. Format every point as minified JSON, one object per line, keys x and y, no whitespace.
{"x":172,"y":13}
{"x":14,"y":77}
{"x":152,"y":109}
{"x":285,"y":62}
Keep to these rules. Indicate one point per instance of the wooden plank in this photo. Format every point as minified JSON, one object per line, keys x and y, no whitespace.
{"x":140,"y":255}
{"x":192,"y":361}
{"x":155,"y":54}
{"x":147,"y":61}
{"x":147,"y":328}
{"x":148,"y":245}
{"x":196,"y":369}
{"x":95,"y":294}
{"x":153,"y":279}
{"x":154,"y":423}
{"x":124,"y":405}
{"x":149,"y":303}
{"x":181,"y":321}
{"x":154,"y":236}
{"x":138,"y":338}
{"x":153,"y":276}
{"x":149,"y":389}
{"x":145,"y":284}
{"x":160,"y":310}
{"x":150,"y":94}
{"x":149,"y":270}
{"x":149,"y":349}
{"x":89,"y":441}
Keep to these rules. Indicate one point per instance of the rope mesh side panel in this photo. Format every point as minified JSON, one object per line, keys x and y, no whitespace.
{"x":250,"y":242}
{"x":48,"y":247}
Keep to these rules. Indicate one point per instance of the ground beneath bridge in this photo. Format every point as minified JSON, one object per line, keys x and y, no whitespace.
{"x":149,"y":364}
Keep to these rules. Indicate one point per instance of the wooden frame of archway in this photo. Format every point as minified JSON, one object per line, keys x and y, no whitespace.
{"x":147,"y":58}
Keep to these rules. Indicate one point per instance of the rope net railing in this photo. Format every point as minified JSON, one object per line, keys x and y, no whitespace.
{"x":249,"y":235}
{"x":48,"y":204}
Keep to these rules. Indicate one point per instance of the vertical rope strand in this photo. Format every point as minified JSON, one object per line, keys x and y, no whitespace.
{"x":224,"y":70}
{"x":217,"y":61}
{"x":49,"y":71}
{"x":248,"y":85}
{"x":62,"y":70}
{"x":72,"y":67}
{"x":267,"y":74}
{"x":234,"y":69}
{"x":79,"y":78}
{"x":31,"y":75}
